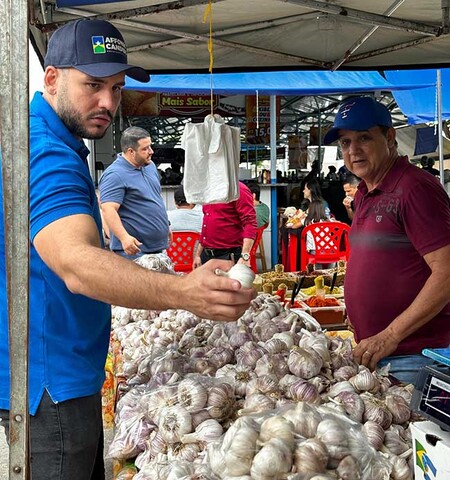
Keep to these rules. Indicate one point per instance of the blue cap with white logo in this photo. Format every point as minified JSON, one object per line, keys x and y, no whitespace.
{"x":94,"y":47}
{"x":360,"y":114}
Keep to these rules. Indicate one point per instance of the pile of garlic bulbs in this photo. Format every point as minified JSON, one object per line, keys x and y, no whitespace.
{"x":191,"y":381}
{"x":297,"y":441}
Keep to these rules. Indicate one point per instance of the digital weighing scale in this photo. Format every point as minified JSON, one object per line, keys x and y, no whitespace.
{"x":431,"y":395}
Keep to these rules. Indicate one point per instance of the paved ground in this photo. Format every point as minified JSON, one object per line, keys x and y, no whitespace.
{"x":4,"y":455}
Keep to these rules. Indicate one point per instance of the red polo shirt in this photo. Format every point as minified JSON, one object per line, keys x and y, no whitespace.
{"x":225,"y":225}
{"x":394,"y":226}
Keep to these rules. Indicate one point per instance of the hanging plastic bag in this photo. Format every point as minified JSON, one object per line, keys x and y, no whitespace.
{"x":211,"y":170}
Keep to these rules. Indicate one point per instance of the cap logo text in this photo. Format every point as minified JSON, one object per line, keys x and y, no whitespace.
{"x":345,"y":109}
{"x":114,"y":45}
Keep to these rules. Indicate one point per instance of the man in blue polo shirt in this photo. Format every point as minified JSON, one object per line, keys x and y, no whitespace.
{"x":72,"y":278}
{"x":130,"y":195}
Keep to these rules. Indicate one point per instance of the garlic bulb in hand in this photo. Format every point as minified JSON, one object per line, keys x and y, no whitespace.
{"x":240,"y":272}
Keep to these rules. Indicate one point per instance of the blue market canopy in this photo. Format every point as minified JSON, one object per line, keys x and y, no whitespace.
{"x":420,"y":106}
{"x":272,"y":83}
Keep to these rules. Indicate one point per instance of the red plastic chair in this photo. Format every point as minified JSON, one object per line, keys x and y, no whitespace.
{"x":257,"y":243}
{"x":331,"y":243}
{"x":292,"y":253}
{"x":182,"y":249}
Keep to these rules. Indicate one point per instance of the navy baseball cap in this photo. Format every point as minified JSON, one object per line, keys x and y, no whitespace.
{"x":360,"y":114}
{"x":94,"y":47}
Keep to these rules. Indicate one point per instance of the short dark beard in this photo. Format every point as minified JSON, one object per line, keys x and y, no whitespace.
{"x":72,"y":122}
{"x":73,"y":119}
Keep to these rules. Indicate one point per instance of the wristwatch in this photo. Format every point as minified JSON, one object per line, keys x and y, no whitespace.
{"x":245,"y":256}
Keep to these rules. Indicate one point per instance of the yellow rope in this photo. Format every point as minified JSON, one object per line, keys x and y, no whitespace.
{"x":208,"y":13}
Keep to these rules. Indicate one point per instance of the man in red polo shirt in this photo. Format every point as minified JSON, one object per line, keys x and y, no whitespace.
{"x":229,"y":230}
{"x":397,"y":287}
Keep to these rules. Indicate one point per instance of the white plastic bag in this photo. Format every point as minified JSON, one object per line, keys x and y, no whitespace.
{"x":211,"y":168}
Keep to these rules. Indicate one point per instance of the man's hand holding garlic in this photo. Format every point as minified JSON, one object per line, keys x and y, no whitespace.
{"x":222,"y":297}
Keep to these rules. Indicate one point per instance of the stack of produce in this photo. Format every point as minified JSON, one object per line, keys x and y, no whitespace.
{"x":319,"y":288}
{"x":326,"y":274}
{"x":274,"y":279}
{"x":312,"y":291}
{"x":270,"y":397}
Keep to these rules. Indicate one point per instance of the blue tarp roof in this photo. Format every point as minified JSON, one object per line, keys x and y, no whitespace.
{"x":420,"y":106}
{"x":271,"y":83}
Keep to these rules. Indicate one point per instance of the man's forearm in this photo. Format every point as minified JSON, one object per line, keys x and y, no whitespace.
{"x":115,"y":224}
{"x":135,"y":287}
{"x":199,"y":250}
{"x":247,"y":245}
{"x":71,"y":248}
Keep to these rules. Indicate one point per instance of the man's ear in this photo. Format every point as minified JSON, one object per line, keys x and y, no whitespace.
{"x":391,"y":135}
{"x":51,"y":76}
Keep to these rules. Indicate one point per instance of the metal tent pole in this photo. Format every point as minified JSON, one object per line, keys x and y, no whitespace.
{"x":273,"y":179}
{"x":14,"y":100}
{"x":439,"y":119}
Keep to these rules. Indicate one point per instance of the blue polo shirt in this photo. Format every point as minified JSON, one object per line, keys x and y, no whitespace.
{"x":142,"y":209}
{"x":68,"y":334}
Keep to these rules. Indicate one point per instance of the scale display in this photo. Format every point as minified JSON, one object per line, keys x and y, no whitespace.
{"x":431,"y":396}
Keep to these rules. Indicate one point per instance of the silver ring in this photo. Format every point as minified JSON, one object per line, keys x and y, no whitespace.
{"x":368,"y":353}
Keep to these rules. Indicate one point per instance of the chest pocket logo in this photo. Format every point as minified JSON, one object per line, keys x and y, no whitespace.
{"x":378,"y":218}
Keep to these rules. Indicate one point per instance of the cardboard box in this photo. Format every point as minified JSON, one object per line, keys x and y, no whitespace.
{"x":431,"y":450}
